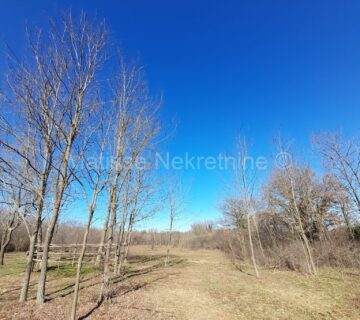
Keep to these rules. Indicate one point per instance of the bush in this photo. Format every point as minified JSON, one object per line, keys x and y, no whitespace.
{"x":356,"y":232}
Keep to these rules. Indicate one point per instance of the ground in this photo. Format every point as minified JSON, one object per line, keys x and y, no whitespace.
{"x":198,"y":284}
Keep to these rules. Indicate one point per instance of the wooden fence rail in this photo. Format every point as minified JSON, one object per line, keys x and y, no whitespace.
{"x":67,"y":253}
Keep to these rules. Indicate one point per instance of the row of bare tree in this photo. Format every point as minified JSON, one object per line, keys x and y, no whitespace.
{"x":77,"y":130}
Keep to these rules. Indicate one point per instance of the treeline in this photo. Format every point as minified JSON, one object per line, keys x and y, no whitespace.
{"x":275,"y":244}
{"x":77,"y":125}
{"x":69,"y":232}
{"x":296,"y":217}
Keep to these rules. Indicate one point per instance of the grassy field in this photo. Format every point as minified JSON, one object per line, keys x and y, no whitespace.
{"x":198,"y":285}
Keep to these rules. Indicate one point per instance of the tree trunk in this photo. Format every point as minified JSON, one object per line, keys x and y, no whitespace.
{"x":252,"y":247}
{"x":125,"y":250}
{"x":258,"y":236}
{"x":29,"y":263}
{"x":4,"y":244}
{"x":40,"y":298}
{"x":60,"y":189}
{"x":30,"y":257}
{"x":240,"y":237}
{"x":126,"y":253}
{"x":79,"y":265}
{"x":312,"y":268}
{"x":2,"y":254}
{"x":103,"y":238}
{"x":345,"y":214}
{"x":128,"y":240}
{"x":40,"y":235}
{"x":311,"y":265}
{"x":167,"y":260}
{"x":119,"y":245}
{"x":308,"y":254}
{"x":28,"y":269}
{"x":108,"y":245}
{"x":39,"y":242}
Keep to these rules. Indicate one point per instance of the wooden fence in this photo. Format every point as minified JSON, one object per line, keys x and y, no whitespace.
{"x":67,"y":253}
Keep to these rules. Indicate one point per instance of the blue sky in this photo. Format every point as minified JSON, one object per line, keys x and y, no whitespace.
{"x":259,"y":67}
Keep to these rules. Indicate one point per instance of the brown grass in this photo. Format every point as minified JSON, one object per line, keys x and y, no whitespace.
{"x":200,"y":284}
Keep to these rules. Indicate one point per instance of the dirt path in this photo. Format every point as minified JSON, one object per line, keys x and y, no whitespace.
{"x":207,"y":286}
{"x":187,"y":292}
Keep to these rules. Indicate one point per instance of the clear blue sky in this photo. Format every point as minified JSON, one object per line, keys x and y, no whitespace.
{"x":226,"y":66}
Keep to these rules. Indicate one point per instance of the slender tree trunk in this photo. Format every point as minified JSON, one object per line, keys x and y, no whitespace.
{"x":125,"y":250}
{"x":40,"y":205}
{"x":347,"y":221}
{"x":40,"y":298}
{"x":241,"y":240}
{"x":103,"y":238}
{"x":109,"y":241}
{"x":4,"y":244}
{"x":11,"y":226}
{"x":258,"y":236}
{"x":167,"y":260}
{"x":252,"y":247}
{"x":120,"y":244}
{"x":56,"y":211}
{"x":31,"y":253}
{"x":39,"y":242}
{"x":2,"y":254}
{"x":312,"y":268}
{"x":28,"y":269}
{"x":128,"y":241}
{"x":311,"y":264}
{"x":79,"y":265}
{"x":7,"y":237}
{"x":118,"y":253}
{"x":40,"y":235}
{"x":152,"y":240}
{"x":112,"y":208}
{"x":247,"y":198}
{"x":272,"y":235}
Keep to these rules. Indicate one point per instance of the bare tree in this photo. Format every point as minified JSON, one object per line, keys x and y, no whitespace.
{"x":142,"y":203}
{"x":32,"y":92}
{"x":293,"y":181}
{"x":79,"y":45}
{"x":14,"y":207}
{"x":176,"y":201}
{"x":342,"y":157}
{"x":93,"y":181}
{"x":234,"y":216}
{"x":146,"y":204}
{"x":135,"y":130}
{"x":240,"y":206}
{"x":126,"y":86}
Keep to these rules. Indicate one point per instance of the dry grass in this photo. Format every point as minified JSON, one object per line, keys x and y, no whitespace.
{"x":200,"y":285}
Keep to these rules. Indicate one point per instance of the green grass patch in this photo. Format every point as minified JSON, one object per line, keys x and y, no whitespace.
{"x":68,"y":271}
{"x":14,"y":264}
